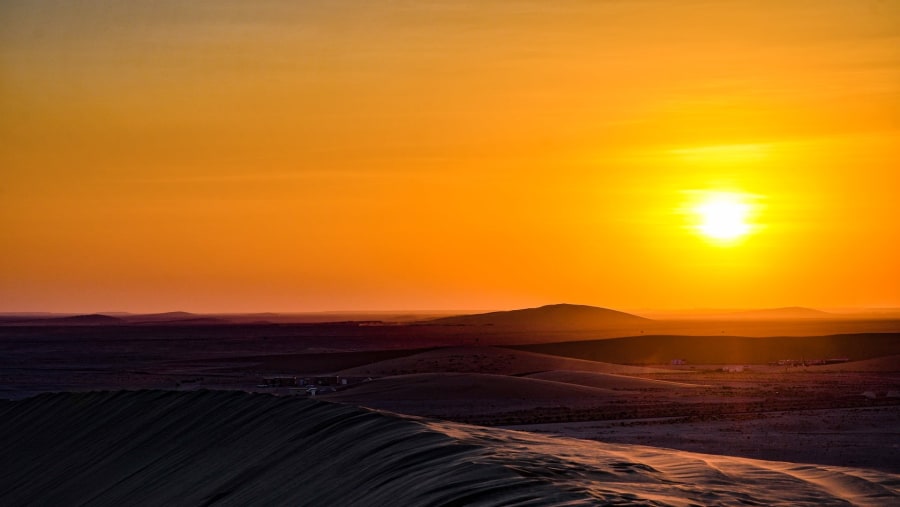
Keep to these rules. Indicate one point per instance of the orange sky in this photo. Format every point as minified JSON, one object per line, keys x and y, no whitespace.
{"x":345,"y":155}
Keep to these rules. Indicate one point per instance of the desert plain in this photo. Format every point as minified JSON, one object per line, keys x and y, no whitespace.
{"x":786,"y":389}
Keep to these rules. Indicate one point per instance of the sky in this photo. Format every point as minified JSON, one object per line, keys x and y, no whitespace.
{"x":400,"y":155}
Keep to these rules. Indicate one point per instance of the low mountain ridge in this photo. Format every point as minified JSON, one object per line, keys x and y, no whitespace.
{"x":94,"y":319}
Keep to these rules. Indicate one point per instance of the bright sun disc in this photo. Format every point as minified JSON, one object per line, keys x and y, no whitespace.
{"x":723,"y":216}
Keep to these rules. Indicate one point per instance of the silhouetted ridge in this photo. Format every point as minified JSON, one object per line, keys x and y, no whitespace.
{"x":95,"y":319}
{"x":198,"y":321}
{"x":163,"y":317}
{"x":559,"y":316}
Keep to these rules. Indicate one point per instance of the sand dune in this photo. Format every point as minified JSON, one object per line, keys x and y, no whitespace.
{"x":469,"y":387}
{"x":501,"y":399}
{"x":660,"y":349}
{"x":608,"y":380}
{"x":881,"y":364}
{"x":473,"y":397}
{"x":493,"y":360}
{"x":230,"y":448}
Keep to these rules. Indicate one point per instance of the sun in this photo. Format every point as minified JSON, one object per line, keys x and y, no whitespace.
{"x":723,"y":215}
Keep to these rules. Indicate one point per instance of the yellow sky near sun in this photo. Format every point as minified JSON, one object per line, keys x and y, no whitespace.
{"x":234,"y":156}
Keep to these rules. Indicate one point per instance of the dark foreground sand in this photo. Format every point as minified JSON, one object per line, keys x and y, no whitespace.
{"x":232,"y":448}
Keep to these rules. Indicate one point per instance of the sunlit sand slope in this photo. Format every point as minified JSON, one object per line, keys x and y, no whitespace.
{"x":230,"y":448}
{"x":608,"y":380}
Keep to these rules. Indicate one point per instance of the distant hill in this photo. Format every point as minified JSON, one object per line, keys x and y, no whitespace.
{"x":175,"y":319}
{"x":189,"y":321}
{"x":165,"y":316}
{"x":94,"y":319}
{"x":557,"y":317}
{"x":153,"y":318}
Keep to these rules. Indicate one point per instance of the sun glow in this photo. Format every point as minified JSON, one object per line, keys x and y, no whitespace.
{"x":723,"y":215}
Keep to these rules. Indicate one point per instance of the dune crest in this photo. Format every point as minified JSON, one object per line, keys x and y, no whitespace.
{"x":227,"y":448}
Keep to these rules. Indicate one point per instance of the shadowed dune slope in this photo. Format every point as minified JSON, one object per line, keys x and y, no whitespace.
{"x":230,"y":448}
{"x":608,"y":380}
{"x":468,"y":387}
{"x":661,"y":349}
{"x":880,"y":365}
{"x":498,"y":361}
